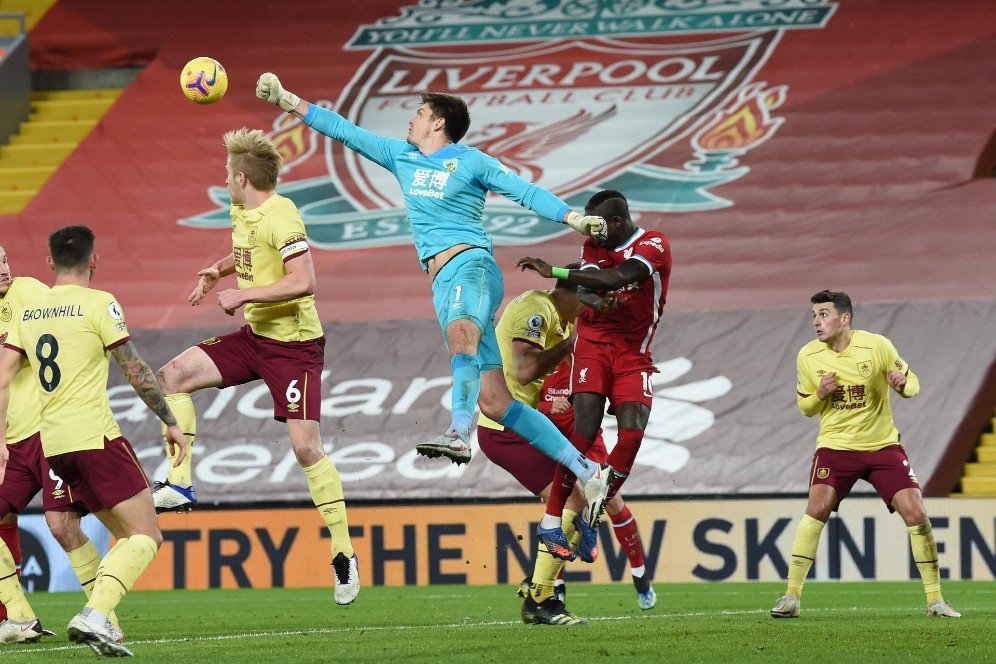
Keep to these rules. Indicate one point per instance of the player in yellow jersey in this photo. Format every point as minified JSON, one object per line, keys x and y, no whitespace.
{"x":28,"y":472}
{"x":845,"y":376}
{"x":67,"y":335}
{"x":535,"y":334}
{"x":283,"y":344}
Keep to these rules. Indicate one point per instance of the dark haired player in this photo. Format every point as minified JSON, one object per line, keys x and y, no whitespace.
{"x":67,"y":335}
{"x":845,"y":376}
{"x":444,"y":185}
{"x":630,"y":269}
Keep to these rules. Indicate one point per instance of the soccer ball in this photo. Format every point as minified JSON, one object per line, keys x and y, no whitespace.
{"x":204,"y":80}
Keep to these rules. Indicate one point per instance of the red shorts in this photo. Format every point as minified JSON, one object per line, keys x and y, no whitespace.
{"x":621,"y":373}
{"x":291,"y":369}
{"x":887,"y":469}
{"x":530,"y":467}
{"x":28,"y":472}
{"x":102,"y":478}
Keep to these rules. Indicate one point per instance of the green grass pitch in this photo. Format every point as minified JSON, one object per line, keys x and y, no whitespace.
{"x":841,"y":622}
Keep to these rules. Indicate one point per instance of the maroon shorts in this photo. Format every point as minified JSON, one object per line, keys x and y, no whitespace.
{"x":621,"y":373}
{"x":102,"y":478}
{"x":887,"y":469}
{"x":530,"y":467}
{"x":291,"y":369}
{"x":28,"y":472}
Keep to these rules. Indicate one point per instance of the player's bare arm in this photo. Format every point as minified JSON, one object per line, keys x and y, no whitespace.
{"x":299,"y":281}
{"x":209,"y":277}
{"x":532,"y":362}
{"x":631,"y":271}
{"x":10,"y":364}
{"x":144,"y":381}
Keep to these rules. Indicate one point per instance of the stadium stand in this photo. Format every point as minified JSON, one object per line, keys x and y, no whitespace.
{"x":844,"y":153}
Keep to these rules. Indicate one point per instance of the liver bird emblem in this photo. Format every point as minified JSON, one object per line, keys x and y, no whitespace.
{"x":521,"y":145}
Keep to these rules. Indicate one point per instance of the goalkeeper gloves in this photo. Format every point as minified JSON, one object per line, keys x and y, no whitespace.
{"x":268,"y":87}
{"x":593,"y":227}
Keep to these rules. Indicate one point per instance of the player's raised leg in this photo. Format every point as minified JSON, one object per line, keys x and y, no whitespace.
{"x":190,"y":371}
{"x":463,"y":337}
{"x":326,"y":492}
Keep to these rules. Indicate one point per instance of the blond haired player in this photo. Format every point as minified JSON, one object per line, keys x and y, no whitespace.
{"x":67,"y":334}
{"x":845,"y":377}
{"x":283,"y":343}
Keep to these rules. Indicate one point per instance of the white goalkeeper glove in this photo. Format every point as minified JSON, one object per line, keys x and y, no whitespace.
{"x":268,"y":87}
{"x":593,"y":227}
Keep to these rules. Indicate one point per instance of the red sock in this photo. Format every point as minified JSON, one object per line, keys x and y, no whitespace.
{"x":563,"y":479}
{"x":11,"y":537}
{"x":580,"y":442}
{"x":623,"y":456}
{"x":560,"y":489}
{"x":628,"y":536}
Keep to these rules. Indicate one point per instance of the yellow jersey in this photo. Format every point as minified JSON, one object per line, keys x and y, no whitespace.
{"x":532,"y":317}
{"x":23,"y":414}
{"x":263,"y":239}
{"x":66,"y":334}
{"x":858,"y":415}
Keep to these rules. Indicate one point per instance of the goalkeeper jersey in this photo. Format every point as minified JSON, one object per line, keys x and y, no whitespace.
{"x":858,"y":415}
{"x":444,"y":192}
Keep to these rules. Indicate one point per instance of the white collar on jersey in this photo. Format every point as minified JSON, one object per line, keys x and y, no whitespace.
{"x":633,"y":238}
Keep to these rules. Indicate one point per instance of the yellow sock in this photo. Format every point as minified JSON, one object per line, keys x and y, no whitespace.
{"x":183,"y":409}
{"x":573,"y":536}
{"x":925,"y":556}
{"x":326,"y":492}
{"x":545,"y":574}
{"x":807,"y":539}
{"x":86,"y":564}
{"x":11,"y":593}
{"x":118,"y":571}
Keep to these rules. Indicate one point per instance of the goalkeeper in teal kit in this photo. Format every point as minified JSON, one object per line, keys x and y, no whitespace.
{"x":444,"y":186}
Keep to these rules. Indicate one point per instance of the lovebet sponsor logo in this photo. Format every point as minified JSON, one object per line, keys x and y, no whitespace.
{"x":574,"y":95}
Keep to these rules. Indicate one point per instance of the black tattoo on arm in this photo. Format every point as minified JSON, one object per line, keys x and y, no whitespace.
{"x":143,"y":380}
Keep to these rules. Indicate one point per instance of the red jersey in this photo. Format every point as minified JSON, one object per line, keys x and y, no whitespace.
{"x":640,"y":303}
{"x":558,"y":386}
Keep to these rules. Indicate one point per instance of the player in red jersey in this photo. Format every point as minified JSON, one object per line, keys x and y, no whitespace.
{"x":630,"y":269}
{"x":554,"y":403}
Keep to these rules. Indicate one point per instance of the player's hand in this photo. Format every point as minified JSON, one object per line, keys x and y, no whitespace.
{"x":559,"y":405}
{"x":268,"y":87}
{"x":897,"y":380}
{"x":209,"y":277}
{"x":176,"y":444}
{"x":538,"y":264}
{"x":828,"y":384}
{"x":230,"y":300}
{"x":593,"y":227}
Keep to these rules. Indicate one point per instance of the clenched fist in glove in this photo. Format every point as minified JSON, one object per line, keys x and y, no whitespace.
{"x":593,"y":227}
{"x":268,"y":87}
